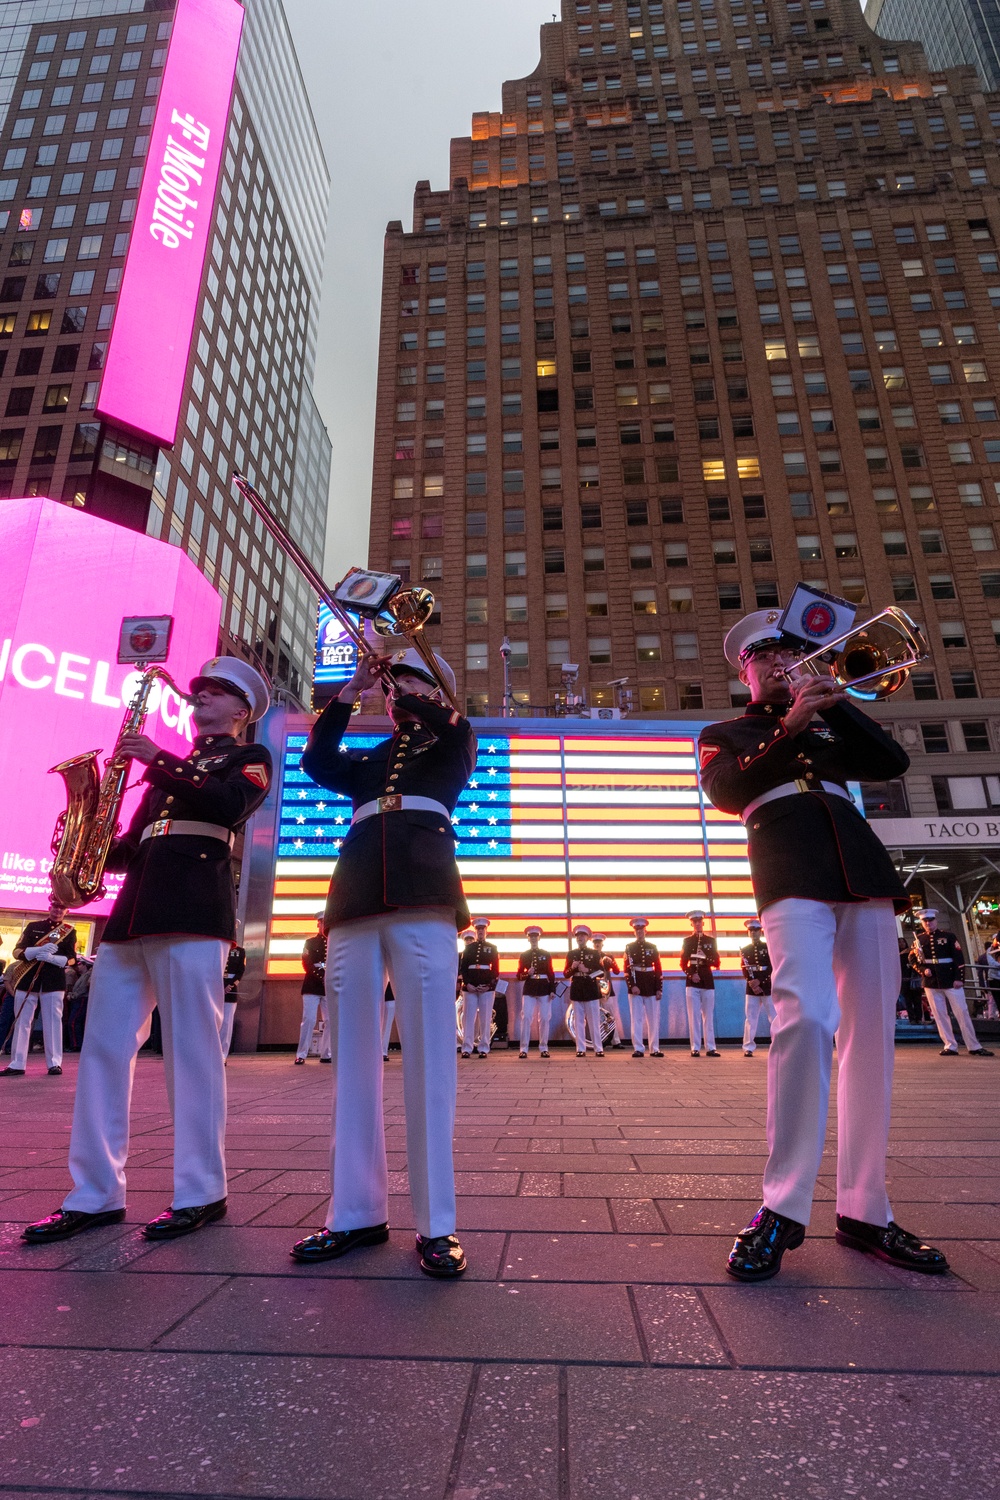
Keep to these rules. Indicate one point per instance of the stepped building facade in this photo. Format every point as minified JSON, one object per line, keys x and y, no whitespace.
{"x":709,"y":307}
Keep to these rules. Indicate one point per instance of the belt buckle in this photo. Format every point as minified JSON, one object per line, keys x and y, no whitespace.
{"x":802,"y":785}
{"x":390,"y":803}
{"x":160,"y":827}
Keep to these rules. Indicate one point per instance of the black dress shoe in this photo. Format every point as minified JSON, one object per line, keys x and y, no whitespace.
{"x":300,"y":1062}
{"x":522,"y":1054}
{"x":756,"y":1255}
{"x":945,"y":1052}
{"x":442,"y":1256}
{"x":330,"y":1059}
{"x":177,"y":1221}
{"x":328,"y":1244}
{"x":66,"y":1222}
{"x":638,"y":1054}
{"x":892,"y":1244}
{"x":11,"y":1072}
{"x":976,"y":1052}
{"x":55,"y":1072}
{"x":544,"y":1054}
{"x":713,"y":1052}
{"x":656,"y":1054}
{"x":695,"y":1052}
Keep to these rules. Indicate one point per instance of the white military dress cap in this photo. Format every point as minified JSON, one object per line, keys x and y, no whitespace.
{"x":693,"y":916}
{"x":481,"y":922}
{"x":582,"y":927}
{"x":753,"y":631}
{"x":930,"y":912}
{"x":239,"y":677}
{"x":411,"y":661}
{"x":599,"y":937}
{"x":529,"y":930}
{"x":752,"y":924}
{"x":639,"y":922}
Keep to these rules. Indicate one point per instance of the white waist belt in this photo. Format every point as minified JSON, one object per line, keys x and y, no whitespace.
{"x":396,"y":802}
{"x":793,"y":789}
{"x":164,"y":826}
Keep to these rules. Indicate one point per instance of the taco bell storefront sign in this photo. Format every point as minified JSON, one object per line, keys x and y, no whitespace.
{"x":946,"y":831}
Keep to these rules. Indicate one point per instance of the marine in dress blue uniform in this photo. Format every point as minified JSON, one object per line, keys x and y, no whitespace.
{"x":699,"y":956}
{"x":478,"y":972}
{"x":538,"y":985}
{"x":936,"y":956}
{"x":395,"y":905}
{"x":50,"y":945}
{"x":825,"y":888}
{"x":755,"y":961}
{"x":644,"y":976}
{"x":314,"y":993}
{"x":165,"y":945}
{"x":583,"y":969}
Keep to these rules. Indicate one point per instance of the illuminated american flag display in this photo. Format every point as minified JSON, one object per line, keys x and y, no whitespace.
{"x":556,"y":828}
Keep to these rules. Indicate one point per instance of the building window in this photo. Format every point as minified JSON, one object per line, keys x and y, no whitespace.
{"x":935,"y":739}
{"x":476,"y":656}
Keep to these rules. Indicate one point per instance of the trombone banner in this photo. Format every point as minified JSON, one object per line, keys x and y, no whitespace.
{"x":816,"y":618}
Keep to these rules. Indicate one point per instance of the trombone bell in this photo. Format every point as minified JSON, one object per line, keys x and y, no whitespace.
{"x":873,"y":660}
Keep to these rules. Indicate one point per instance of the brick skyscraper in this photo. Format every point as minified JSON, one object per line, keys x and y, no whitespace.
{"x":709,"y":308}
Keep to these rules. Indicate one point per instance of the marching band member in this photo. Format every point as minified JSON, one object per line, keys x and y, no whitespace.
{"x":534,"y":967}
{"x":699,"y":956}
{"x":937,"y":957}
{"x":582,"y":968}
{"x":478,"y":970}
{"x":610,"y":966}
{"x":644,"y":975}
{"x":825,"y":887}
{"x":756,"y":964}
{"x":395,"y":904}
{"x":314,"y":994}
{"x":165,"y":945}
{"x":236,"y":967}
{"x":50,"y":945}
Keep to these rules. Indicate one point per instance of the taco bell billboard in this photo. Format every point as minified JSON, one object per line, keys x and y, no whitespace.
{"x":147,"y":356}
{"x":69,"y":580}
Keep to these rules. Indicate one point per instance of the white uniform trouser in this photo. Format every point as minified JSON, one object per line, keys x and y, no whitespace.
{"x":939,"y":1000}
{"x":701,"y":1017}
{"x":313,"y":1006}
{"x":645,"y":1012}
{"x":836,"y":973}
{"x":615,"y":1007}
{"x":416,"y":947}
{"x":477,"y":1003}
{"x":587,"y":1012}
{"x":530,"y":1005}
{"x":25,"y":1005}
{"x":753,"y":1009}
{"x":228,"y":1022}
{"x":183,"y":976}
{"x":388,"y":1016}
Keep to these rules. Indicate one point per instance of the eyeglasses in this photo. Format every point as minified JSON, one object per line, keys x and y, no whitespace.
{"x":774,"y":653}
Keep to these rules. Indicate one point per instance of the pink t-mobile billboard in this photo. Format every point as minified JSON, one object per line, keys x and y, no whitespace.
{"x":69,"y":580}
{"x":147,"y":356}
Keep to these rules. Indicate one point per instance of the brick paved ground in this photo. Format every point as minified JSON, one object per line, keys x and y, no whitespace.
{"x":595,"y":1350}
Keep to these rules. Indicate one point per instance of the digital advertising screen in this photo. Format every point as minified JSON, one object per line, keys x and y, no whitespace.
{"x":336,"y":656}
{"x":69,"y":581}
{"x":556,"y":828}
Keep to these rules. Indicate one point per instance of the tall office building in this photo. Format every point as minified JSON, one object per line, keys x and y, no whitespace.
{"x":952,"y":31}
{"x":708,"y":308}
{"x":80,"y":87}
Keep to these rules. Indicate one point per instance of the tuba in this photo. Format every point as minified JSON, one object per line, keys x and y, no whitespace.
{"x":85,"y":831}
{"x":872,"y":660}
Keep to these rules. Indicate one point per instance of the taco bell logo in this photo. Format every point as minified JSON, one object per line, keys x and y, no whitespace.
{"x":181,"y":172}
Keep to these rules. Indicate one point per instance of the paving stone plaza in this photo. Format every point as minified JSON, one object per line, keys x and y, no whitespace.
{"x":596,"y":1350}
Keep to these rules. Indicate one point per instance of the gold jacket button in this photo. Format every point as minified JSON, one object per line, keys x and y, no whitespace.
{"x":203,"y":856}
{"x":169,"y":800}
{"x":179,"y":770}
{"x":761,"y":745}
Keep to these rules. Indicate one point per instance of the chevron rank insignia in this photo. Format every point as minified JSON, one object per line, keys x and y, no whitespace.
{"x":257,"y":774}
{"x":707,"y":753}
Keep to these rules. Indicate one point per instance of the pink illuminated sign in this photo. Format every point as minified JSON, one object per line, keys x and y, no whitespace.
{"x":148,"y":353}
{"x":69,"y":579}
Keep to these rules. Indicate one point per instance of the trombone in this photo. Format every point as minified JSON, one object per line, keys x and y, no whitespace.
{"x":401,"y":616}
{"x":869,"y":661}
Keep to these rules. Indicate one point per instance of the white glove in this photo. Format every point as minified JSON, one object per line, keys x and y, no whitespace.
{"x":59,"y":959}
{"x":35,"y":952}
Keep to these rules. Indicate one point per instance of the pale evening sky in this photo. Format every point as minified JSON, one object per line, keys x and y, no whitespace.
{"x":390,"y":84}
